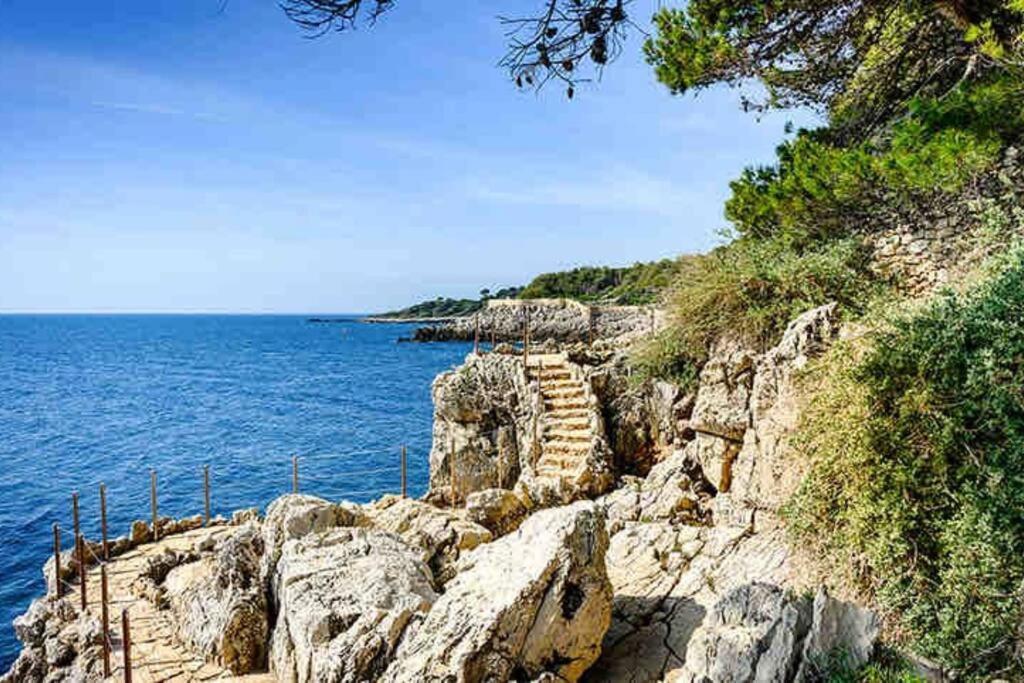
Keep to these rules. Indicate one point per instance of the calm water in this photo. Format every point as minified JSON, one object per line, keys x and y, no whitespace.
{"x":90,"y":399}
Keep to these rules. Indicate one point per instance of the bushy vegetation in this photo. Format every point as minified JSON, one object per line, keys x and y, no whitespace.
{"x":640,"y":283}
{"x":797,"y":226}
{"x":916,"y":487}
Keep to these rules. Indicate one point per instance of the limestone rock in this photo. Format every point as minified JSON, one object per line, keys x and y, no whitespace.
{"x":485,"y":421}
{"x":724,"y":392}
{"x":294,"y":516}
{"x":346,"y":597}
{"x":533,"y":602}
{"x":838,"y":626}
{"x":220,"y":606}
{"x":760,"y":632}
{"x":499,"y":510}
{"x":762,"y":475}
{"x":442,"y":535}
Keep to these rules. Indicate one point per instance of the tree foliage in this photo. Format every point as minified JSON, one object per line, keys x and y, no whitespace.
{"x":861,"y":61}
{"x":563,"y":40}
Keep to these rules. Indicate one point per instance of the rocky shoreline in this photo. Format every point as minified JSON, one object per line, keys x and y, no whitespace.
{"x":578,"y":526}
{"x":559,"y":320}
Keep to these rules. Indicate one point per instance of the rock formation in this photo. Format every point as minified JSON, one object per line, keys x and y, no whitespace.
{"x":346,"y":596}
{"x":533,"y":602}
{"x":220,"y":606}
{"x":579,"y":526}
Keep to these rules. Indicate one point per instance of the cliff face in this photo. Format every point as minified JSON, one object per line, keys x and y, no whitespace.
{"x":602,"y":530}
{"x":561,"y":320}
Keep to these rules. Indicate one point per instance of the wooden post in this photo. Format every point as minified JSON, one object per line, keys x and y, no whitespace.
{"x":103,"y":523}
{"x":295,"y":474}
{"x":206,"y":495}
{"x":80,"y":545}
{"x":476,"y":336}
{"x":56,"y":561}
{"x":403,"y":472}
{"x":126,"y":646}
{"x":106,"y":620}
{"x":74,"y":512}
{"x":153,"y":503}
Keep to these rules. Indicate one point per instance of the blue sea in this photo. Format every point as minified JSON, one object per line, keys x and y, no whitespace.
{"x":86,"y":399}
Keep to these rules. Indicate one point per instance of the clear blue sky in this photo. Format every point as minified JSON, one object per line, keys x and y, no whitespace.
{"x":170,"y":156}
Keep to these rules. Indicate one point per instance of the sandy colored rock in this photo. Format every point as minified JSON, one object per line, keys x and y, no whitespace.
{"x":220,"y":606}
{"x":442,"y":535}
{"x":346,"y":596}
{"x":499,"y":510}
{"x":295,"y":515}
{"x":533,"y":602}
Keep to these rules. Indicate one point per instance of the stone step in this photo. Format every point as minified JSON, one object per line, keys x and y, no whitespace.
{"x":554,"y":405}
{"x":563,"y":392}
{"x":565,"y":448}
{"x":558,"y":383}
{"x":581,"y":421}
{"x":551,"y":435}
{"x":568,"y":413}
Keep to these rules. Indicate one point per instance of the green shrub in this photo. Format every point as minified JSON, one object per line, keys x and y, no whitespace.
{"x":916,"y":483}
{"x":751,"y":289}
{"x":666,"y":356}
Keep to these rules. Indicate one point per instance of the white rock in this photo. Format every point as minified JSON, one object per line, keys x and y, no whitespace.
{"x":346,"y":598}
{"x":533,"y":602}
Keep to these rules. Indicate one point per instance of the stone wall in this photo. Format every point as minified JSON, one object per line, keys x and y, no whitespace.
{"x":924,"y":247}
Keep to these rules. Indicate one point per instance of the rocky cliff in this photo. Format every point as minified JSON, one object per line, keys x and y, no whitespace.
{"x":580,"y":525}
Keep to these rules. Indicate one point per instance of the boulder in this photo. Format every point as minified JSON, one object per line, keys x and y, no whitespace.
{"x":219,"y":605}
{"x":442,"y":535}
{"x":724,"y":392}
{"x":760,"y":632}
{"x":533,"y":602}
{"x":499,"y":510}
{"x":346,"y":597}
{"x":296,"y":515}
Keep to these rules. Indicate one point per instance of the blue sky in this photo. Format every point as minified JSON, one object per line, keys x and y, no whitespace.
{"x":171,"y":156}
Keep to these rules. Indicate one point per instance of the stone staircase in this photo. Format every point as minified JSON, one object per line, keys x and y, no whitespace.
{"x":566,"y":427}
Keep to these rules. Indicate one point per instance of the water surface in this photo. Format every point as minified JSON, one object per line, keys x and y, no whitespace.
{"x":90,"y":399}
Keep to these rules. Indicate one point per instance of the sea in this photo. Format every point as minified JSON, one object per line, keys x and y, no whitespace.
{"x":110,"y":399}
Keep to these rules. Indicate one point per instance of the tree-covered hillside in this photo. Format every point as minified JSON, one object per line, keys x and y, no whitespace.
{"x":640,"y":283}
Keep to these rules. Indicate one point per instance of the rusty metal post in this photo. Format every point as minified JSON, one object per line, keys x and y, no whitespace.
{"x":476,"y":335}
{"x":295,"y":474}
{"x":56,"y":561}
{"x":80,"y":545}
{"x":590,"y":325}
{"x":153,"y":504}
{"x":106,"y":620}
{"x":494,"y":337}
{"x":126,"y":646}
{"x":403,"y":472}
{"x":103,"y":522}
{"x":206,"y":495}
